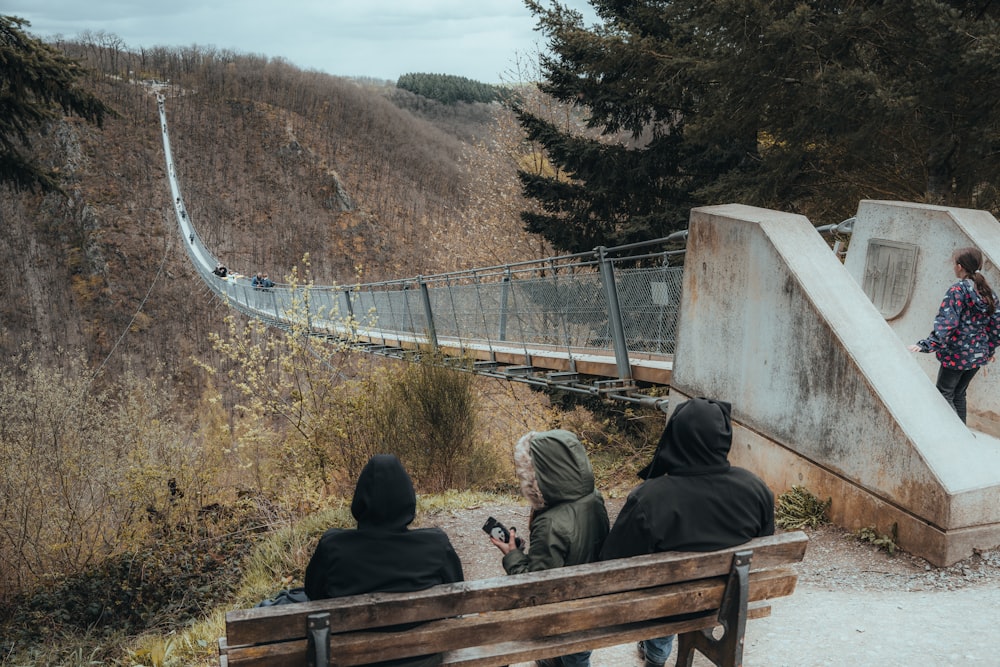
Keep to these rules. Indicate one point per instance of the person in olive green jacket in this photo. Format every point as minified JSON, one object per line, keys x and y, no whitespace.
{"x":568,"y":520}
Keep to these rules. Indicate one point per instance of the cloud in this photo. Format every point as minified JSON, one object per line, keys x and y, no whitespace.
{"x":378,"y":38}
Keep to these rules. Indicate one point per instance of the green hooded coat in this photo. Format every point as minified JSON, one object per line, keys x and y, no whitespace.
{"x":569,"y":521}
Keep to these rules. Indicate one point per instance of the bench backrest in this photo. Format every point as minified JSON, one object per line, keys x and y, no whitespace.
{"x":514,"y":607}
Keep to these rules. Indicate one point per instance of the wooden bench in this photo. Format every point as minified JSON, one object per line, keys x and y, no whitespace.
{"x":705,"y":598}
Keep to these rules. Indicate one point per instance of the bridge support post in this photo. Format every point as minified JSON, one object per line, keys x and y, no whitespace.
{"x":614,"y":316}
{"x":425,"y":299}
{"x":348,"y":311}
{"x":504,"y":296}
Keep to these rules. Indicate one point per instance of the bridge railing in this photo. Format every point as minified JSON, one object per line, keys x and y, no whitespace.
{"x":559,"y":301}
{"x":608,"y":300}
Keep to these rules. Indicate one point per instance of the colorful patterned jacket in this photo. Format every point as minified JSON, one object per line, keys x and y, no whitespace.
{"x":965,"y":332}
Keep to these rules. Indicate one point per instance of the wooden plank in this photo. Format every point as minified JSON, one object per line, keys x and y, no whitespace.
{"x":223,"y":653}
{"x":285,"y":654}
{"x":531,"y":623}
{"x":359,"y":612}
{"x":509,"y":652}
{"x":505,"y":653}
{"x":553,"y":619}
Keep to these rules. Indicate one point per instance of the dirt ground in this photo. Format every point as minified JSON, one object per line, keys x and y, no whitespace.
{"x":854,"y":604}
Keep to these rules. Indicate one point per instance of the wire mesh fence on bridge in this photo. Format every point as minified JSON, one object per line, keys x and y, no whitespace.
{"x":558,"y":302}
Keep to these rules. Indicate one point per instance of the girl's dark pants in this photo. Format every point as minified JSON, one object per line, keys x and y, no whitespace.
{"x":952,"y":383}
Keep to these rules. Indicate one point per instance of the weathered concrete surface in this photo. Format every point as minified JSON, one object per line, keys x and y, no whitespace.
{"x":824,"y":392}
{"x":936,"y":232}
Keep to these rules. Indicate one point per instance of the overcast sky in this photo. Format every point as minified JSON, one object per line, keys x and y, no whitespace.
{"x":479,"y":39}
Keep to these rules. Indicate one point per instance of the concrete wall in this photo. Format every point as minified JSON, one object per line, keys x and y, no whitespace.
{"x":935,"y":232}
{"x":824,"y":392}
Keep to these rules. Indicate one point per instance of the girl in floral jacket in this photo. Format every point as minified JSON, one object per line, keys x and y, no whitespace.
{"x":966,"y":329}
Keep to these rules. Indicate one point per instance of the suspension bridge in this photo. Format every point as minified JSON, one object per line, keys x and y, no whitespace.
{"x":808,"y":346}
{"x":601,"y":323}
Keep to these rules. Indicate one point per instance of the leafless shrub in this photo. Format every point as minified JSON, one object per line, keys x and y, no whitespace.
{"x":86,"y":472}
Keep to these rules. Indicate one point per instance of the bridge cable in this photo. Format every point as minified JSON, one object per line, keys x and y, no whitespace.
{"x":152,"y":283}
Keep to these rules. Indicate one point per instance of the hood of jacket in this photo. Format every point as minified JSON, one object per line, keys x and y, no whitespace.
{"x":384,"y":497}
{"x":696,"y":440}
{"x":552,"y":468}
{"x":978,"y":302}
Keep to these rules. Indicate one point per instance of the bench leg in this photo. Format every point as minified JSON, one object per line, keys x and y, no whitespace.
{"x":727,"y":650}
{"x":318,"y":626}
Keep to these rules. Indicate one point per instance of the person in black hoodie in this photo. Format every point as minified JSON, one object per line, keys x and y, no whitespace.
{"x":382,"y":554}
{"x":692,"y":499}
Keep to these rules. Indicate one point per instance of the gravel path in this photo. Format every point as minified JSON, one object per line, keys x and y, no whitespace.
{"x":854,"y":604}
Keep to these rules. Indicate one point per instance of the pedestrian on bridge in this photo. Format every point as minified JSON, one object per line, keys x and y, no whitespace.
{"x":966,"y":330}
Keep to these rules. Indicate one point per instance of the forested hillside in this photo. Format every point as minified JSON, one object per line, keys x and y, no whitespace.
{"x":275,"y":164}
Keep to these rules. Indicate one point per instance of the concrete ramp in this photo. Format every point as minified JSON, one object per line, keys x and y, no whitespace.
{"x":824,"y":393}
{"x":901,"y":255}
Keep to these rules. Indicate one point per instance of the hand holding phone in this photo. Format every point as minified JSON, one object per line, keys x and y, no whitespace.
{"x":498,"y":531}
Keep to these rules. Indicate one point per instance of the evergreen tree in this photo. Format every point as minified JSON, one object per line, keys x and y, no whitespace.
{"x":803,"y":106}
{"x":37,"y":82}
{"x":448,"y":88}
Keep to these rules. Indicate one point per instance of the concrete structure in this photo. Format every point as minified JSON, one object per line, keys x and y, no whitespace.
{"x":825,"y":394}
{"x":902,"y":256}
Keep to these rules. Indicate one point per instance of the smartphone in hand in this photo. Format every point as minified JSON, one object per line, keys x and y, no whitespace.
{"x":494,"y":528}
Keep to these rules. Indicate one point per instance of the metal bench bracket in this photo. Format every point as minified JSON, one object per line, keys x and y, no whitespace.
{"x":318,"y":627}
{"x":727,"y":650}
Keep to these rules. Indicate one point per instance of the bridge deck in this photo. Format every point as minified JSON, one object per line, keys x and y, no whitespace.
{"x":648,"y":368}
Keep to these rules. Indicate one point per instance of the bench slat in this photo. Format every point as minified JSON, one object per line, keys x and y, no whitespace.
{"x":507,"y":653}
{"x":288,"y":622}
{"x":530,"y":626}
{"x":554,"y":619}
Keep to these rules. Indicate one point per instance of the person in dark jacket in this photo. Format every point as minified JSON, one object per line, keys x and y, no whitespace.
{"x":382,"y":554}
{"x":568,"y":520}
{"x":966,"y":330}
{"x":692,"y":499}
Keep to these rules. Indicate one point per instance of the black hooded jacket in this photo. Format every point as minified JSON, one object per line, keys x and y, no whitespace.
{"x":382,"y":555}
{"x":692,"y":499}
